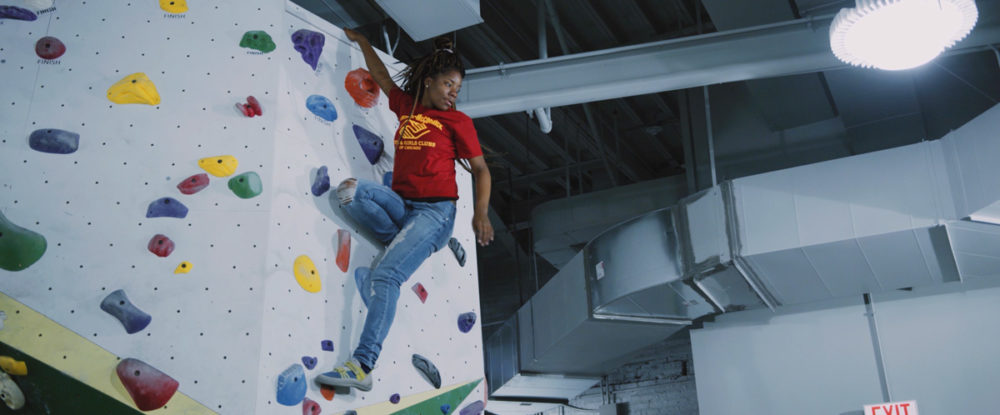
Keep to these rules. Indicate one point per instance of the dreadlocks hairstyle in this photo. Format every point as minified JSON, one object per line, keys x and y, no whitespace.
{"x":442,"y":60}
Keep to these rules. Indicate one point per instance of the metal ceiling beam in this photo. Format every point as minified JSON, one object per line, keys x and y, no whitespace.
{"x":786,"y":48}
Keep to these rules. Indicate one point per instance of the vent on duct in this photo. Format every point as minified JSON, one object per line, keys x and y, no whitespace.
{"x":864,"y":224}
{"x":425,"y":19}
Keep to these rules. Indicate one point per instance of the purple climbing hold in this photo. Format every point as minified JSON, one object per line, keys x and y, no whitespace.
{"x":474,"y":408}
{"x":371,"y":143}
{"x":394,"y":398}
{"x":193,"y":184}
{"x":445,"y":409}
{"x":309,"y":44}
{"x":118,"y":305}
{"x":166,"y":207}
{"x":466,"y":321}
{"x":17,"y":13}
{"x":309,"y":362}
{"x":326,"y":345}
{"x":55,"y":141}
{"x":387,"y":179}
{"x":321,"y":183}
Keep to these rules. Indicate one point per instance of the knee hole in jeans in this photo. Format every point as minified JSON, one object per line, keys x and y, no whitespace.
{"x":345,"y":191}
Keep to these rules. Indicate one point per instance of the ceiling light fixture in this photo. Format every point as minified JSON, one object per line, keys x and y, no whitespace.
{"x":899,"y":34}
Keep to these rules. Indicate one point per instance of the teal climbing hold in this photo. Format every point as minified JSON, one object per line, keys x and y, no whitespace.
{"x":258,"y":40}
{"x":19,"y":247}
{"x":246,"y":185}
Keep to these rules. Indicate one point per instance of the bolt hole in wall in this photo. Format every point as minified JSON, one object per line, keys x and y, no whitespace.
{"x":130,"y":148}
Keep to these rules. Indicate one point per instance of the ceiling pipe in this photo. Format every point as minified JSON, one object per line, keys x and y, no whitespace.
{"x":543,"y":115}
{"x":771,"y":50}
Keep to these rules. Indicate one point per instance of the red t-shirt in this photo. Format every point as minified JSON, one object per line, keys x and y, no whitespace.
{"x":427,"y":147}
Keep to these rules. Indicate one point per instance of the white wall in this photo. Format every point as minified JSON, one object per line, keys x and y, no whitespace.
{"x":229,"y":327}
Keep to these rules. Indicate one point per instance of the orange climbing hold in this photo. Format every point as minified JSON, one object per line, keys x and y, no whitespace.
{"x":327,"y":391}
{"x":134,"y":89}
{"x":343,"y":249}
{"x":306,"y":274}
{"x":362,"y":87}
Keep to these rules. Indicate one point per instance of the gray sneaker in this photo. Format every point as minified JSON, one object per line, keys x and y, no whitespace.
{"x":348,"y":375}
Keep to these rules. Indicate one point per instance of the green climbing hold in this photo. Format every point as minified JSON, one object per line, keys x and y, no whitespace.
{"x":257,"y":40}
{"x":19,"y":247}
{"x":434,"y":404}
{"x":246,"y":185}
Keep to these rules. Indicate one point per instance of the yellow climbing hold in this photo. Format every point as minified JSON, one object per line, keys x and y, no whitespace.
{"x":219,"y":166}
{"x":306,"y":274}
{"x":183,"y":268}
{"x":174,"y":6}
{"x":134,"y":89}
{"x":13,"y":367}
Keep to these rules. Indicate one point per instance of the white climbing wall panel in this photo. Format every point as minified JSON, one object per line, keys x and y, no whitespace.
{"x":230,"y":326}
{"x":297,"y":321}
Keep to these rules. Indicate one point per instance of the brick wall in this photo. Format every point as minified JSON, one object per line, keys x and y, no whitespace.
{"x":658,"y":380}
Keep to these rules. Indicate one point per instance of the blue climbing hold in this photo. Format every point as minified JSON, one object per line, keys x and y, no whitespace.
{"x":55,"y":141}
{"x":394,"y":398}
{"x":321,"y":183}
{"x":322,"y":107}
{"x":118,"y":305}
{"x":456,"y":248}
{"x":371,"y":143}
{"x":427,"y":369}
{"x":309,"y":362}
{"x":326,"y":345}
{"x":166,"y":207}
{"x":292,"y":385}
{"x":474,"y":408}
{"x":445,"y":409}
{"x":17,"y":13}
{"x":387,"y":179}
{"x":309,"y":44}
{"x":466,"y":321}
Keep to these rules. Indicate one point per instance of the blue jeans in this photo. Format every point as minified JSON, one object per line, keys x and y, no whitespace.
{"x":413,"y":230}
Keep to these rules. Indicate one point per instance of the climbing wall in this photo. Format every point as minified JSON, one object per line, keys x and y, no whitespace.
{"x":298,"y":321}
{"x":235,"y":317}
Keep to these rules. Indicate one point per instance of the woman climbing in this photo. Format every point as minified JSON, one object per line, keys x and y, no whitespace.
{"x":416,"y":216}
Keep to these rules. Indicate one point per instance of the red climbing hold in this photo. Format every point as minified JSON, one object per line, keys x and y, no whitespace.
{"x":49,"y":47}
{"x":327,"y":391}
{"x":362,"y":87}
{"x":310,"y":407}
{"x":161,"y":246}
{"x":150,"y":389}
{"x":193,"y":184}
{"x":255,"y":105}
{"x":250,"y":108}
{"x":343,"y":249}
{"x":421,"y":292}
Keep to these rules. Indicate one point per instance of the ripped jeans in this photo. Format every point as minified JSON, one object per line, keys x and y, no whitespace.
{"x":413,"y":230}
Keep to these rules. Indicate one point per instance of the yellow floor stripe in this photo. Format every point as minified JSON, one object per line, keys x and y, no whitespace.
{"x":33,"y":333}
{"x":387,"y":407}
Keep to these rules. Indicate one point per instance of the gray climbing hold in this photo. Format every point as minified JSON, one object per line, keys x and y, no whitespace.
{"x":428,"y":370}
{"x":456,"y":248}
{"x":118,"y":305}
{"x":55,"y":141}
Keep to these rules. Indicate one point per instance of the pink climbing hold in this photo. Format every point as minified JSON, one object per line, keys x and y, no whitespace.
{"x":150,"y":389}
{"x":193,"y":184}
{"x":161,"y":246}
{"x":310,"y":407}
{"x":343,"y":249}
{"x":421,"y":292}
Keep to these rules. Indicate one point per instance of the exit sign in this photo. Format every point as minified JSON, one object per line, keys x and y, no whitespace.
{"x":892,"y":408}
